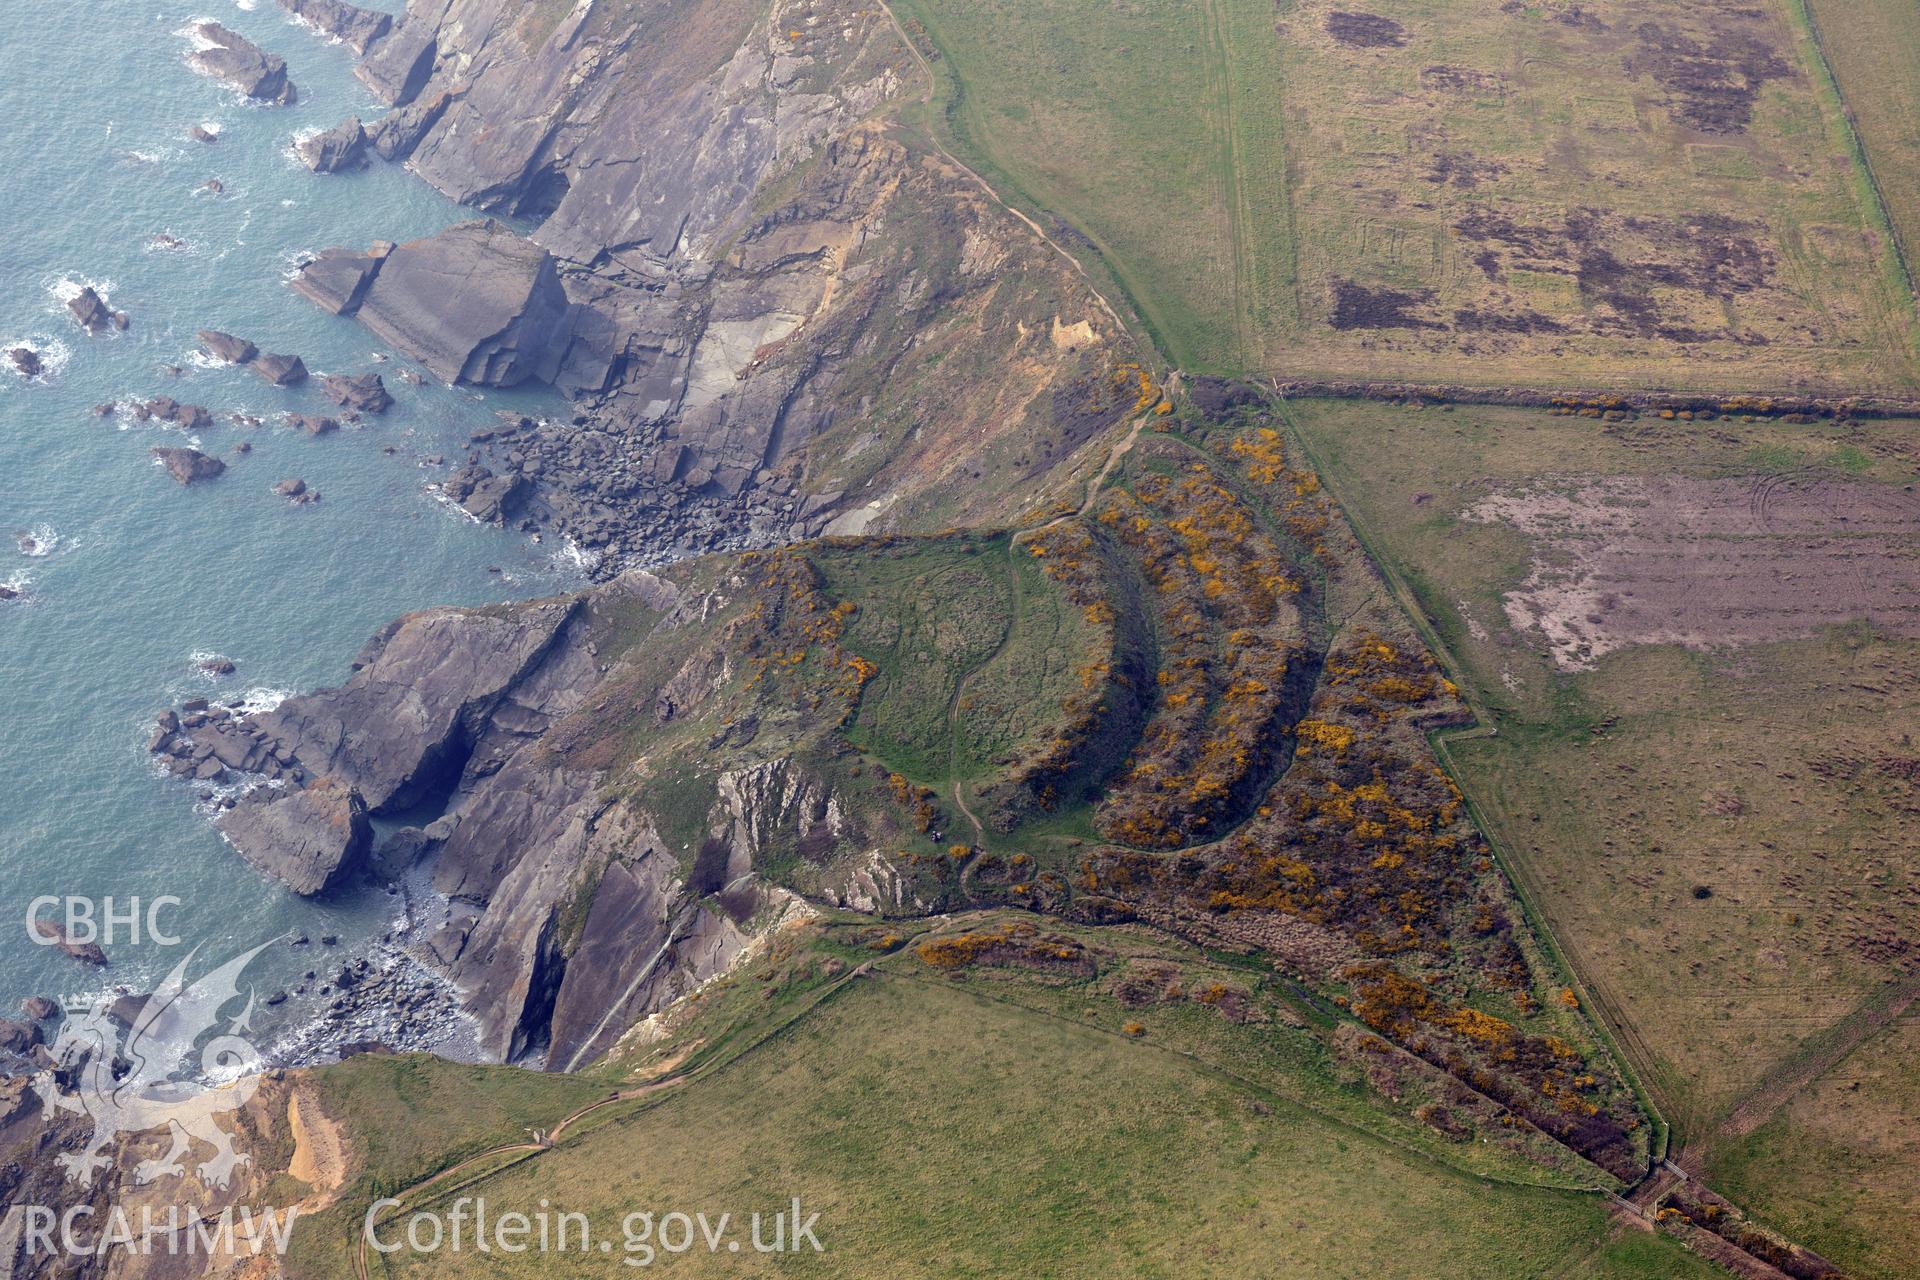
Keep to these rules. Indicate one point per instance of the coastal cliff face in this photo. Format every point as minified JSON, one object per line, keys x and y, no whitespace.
{"x":613,"y":786}
{"x":778,"y":314}
{"x":788,"y":314}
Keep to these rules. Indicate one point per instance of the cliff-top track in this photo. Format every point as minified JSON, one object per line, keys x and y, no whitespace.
{"x":931,"y":85}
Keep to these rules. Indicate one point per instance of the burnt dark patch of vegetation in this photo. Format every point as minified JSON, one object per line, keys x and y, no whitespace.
{"x":1448,"y":79}
{"x":1619,"y":262}
{"x":1474,"y":320}
{"x":1711,"y":85}
{"x":1366,"y":30}
{"x":1463,"y":169}
{"x":1580,"y":18}
{"x":1357,"y":307}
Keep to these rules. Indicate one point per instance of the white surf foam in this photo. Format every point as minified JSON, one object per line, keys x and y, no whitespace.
{"x":53,"y":354}
{"x":257,"y":701}
{"x":38,"y":542}
{"x":573,"y":556}
{"x":67,"y":286}
{"x":191,"y":34}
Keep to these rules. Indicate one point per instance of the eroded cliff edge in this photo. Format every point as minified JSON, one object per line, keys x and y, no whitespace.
{"x":785,"y":314}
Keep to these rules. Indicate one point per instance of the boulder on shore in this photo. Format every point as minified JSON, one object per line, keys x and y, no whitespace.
{"x":486,"y":496}
{"x":224,"y":346}
{"x":363,"y":393}
{"x":93,"y":314}
{"x":240,"y":62}
{"x":39,"y":1008}
{"x":310,"y":840}
{"x":353,"y":26}
{"x":189,"y":465}
{"x":18,"y":1038}
{"x":340,"y":148}
{"x":281,"y":371}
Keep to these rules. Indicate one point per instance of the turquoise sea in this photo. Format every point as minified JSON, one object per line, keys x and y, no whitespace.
{"x":130,"y":575}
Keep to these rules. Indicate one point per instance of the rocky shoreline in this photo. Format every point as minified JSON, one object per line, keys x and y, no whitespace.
{"x":723,"y":348}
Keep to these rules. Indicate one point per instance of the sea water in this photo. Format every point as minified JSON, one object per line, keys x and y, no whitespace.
{"x":129,"y":578}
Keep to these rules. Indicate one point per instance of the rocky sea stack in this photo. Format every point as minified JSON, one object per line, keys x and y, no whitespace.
{"x":189,"y":466}
{"x":236,"y":60}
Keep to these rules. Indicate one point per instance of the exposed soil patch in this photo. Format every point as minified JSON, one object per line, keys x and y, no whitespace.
{"x":1626,"y":560}
{"x":1357,"y":307}
{"x":1366,"y":30}
{"x":1711,"y":84}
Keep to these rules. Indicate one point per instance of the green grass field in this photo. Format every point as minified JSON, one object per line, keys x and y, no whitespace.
{"x":1841,"y":1164}
{"x":1873,"y":48}
{"x":1126,"y":120}
{"x":1040,"y":1143}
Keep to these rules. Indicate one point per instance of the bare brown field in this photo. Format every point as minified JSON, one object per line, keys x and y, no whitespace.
{"x":1708,"y":562}
{"x":1712,"y":798}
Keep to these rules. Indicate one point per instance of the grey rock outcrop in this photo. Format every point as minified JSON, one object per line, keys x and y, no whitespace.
{"x":362,"y":393}
{"x":281,"y":371}
{"x":400,"y":731}
{"x":224,"y":346}
{"x":395,"y":135}
{"x":353,"y":26}
{"x":491,"y":498}
{"x":238,"y":61}
{"x":465,"y":703}
{"x":94,"y":315}
{"x":26,"y":360}
{"x":337,"y":150}
{"x":338,"y":279}
{"x":310,"y":839}
{"x":189,"y":466}
{"x":476,"y":303}
{"x":192,"y":417}
{"x":755,"y":260}
{"x":314,"y":424}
